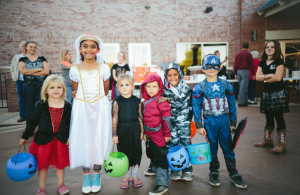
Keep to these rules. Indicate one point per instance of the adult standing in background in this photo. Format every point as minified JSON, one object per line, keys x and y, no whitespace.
{"x":253,"y":82}
{"x":65,"y":66}
{"x":165,"y":63}
{"x":34,"y":68}
{"x":119,"y":68}
{"x":18,"y":77}
{"x":243,"y":63}
{"x":217,"y":53}
{"x":223,"y":70}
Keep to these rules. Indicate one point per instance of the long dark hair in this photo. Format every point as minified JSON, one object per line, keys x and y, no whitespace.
{"x":27,"y":43}
{"x":277,"y":53}
{"x":81,"y":55}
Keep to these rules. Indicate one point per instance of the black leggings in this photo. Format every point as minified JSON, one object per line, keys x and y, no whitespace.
{"x":279,"y":119}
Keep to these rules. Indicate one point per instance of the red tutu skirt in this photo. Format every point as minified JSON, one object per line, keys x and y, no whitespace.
{"x":54,"y":154}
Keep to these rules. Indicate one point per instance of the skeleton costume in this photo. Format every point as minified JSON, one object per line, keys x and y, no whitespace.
{"x":181,"y":111}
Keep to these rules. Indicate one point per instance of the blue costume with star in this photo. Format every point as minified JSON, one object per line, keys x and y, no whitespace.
{"x":215,"y":101}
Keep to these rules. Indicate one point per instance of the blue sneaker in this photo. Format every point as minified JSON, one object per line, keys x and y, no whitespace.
{"x":87,"y":184}
{"x":96,"y":187}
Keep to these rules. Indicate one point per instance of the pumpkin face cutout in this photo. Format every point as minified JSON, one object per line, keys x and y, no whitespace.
{"x":116,"y":165}
{"x":178,"y":158}
{"x":22,"y":167}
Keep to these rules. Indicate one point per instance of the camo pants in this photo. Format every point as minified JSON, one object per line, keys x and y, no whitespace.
{"x":180,"y":135}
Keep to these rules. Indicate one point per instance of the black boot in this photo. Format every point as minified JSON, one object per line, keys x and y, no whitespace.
{"x":214,"y":165}
{"x":231,"y":167}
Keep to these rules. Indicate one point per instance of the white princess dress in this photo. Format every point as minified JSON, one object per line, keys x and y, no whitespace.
{"x":91,"y":123}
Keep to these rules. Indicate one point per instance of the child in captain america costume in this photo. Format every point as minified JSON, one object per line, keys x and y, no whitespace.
{"x":214,"y":100}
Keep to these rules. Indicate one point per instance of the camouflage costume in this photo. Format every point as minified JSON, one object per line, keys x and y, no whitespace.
{"x":181,"y":111}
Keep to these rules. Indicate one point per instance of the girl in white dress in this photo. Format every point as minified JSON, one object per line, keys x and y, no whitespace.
{"x":91,"y":123}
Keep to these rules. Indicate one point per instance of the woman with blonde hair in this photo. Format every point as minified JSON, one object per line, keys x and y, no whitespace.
{"x":118,"y":69}
{"x":66,"y":64}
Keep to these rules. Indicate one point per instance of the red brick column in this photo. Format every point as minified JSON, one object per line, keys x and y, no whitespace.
{"x":12,"y":94}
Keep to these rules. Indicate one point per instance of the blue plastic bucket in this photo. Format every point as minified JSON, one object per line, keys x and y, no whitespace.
{"x":178,"y":158}
{"x":199,"y":153}
{"x":21,"y":167}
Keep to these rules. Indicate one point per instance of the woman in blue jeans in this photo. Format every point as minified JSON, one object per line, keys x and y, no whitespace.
{"x":66,"y":64}
{"x":35,"y":69}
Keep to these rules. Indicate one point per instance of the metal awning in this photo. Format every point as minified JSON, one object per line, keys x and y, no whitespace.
{"x":275,"y":6}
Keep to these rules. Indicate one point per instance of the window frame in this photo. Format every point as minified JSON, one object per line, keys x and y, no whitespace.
{"x":202,"y":43}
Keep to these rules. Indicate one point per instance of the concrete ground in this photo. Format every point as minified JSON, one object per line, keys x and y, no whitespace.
{"x":265,"y":173}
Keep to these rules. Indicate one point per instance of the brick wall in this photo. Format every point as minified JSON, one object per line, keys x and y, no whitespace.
{"x":12,"y":94}
{"x":55,"y":25}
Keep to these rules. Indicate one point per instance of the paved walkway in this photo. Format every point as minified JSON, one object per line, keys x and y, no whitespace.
{"x":8,"y":121}
{"x":265,"y":173}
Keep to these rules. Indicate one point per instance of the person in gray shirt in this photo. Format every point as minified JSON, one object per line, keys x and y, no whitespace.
{"x":165,"y":64}
{"x":65,"y":66}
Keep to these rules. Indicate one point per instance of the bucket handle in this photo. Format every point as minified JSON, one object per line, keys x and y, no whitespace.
{"x":113,"y":148}
{"x":205,"y":138}
{"x":19,"y":153}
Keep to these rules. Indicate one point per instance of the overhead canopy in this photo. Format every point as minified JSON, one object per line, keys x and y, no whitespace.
{"x":275,"y":6}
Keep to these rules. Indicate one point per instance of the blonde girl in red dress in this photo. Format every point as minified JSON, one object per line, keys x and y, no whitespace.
{"x":50,"y":143}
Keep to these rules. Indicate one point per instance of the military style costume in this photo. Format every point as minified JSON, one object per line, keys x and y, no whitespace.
{"x":181,"y":111}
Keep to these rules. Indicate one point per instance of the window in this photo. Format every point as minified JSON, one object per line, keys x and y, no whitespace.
{"x":139,"y":54}
{"x":111,"y":51}
{"x":192,"y":53}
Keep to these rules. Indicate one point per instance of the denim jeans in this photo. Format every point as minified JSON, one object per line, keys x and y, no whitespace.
{"x":69,"y":94}
{"x":243,"y":77}
{"x":251,"y":90}
{"x":117,"y":93}
{"x":22,"y":99}
{"x":32,"y":90}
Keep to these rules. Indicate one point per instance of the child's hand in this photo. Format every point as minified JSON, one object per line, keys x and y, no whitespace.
{"x":22,"y":142}
{"x":115,"y":139}
{"x":67,"y":143}
{"x":74,"y":94}
{"x":167,"y":139}
{"x":232,"y":129}
{"x":201,"y":131}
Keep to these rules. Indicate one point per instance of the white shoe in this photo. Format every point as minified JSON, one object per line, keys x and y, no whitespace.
{"x":86,"y":186}
{"x":96,"y":187}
